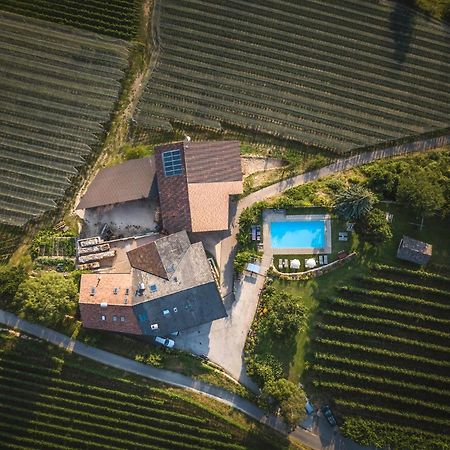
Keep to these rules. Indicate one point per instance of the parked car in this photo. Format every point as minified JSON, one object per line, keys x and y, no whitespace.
{"x":164,"y":342}
{"x":326,"y":411}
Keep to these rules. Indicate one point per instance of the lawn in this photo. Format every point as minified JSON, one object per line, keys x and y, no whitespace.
{"x":312,"y":291}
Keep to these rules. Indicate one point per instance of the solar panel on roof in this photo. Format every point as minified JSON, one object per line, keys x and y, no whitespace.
{"x":172,"y":163}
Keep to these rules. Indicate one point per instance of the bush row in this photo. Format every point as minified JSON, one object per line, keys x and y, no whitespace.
{"x":335,"y":331}
{"x":393,"y":296}
{"x":381,"y":383}
{"x":391,"y":312}
{"x":358,"y":318}
{"x":371,"y":366}
{"x":385,"y":435}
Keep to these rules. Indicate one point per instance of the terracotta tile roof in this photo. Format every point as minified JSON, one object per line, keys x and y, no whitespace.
{"x":117,"y":318}
{"x":198,"y":198}
{"x":162,"y":256}
{"x":173,"y":194}
{"x":110,"y":288}
{"x":209,"y":204}
{"x":213,"y":161}
{"x":131,"y":180}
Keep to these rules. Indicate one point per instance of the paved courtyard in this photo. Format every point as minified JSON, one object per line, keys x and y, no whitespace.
{"x":222,"y":341}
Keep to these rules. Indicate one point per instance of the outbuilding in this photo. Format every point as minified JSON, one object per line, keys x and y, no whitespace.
{"x":414,"y":251}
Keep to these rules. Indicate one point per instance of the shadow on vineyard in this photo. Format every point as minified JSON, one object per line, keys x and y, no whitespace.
{"x":52,"y":399}
{"x":380,"y":357}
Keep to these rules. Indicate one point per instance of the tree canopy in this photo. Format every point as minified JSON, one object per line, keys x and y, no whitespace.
{"x":354,"y":202}
{"x":46,"y":298}
{"x":423,"y":190}
{"x":10,"y":279}
{"x":373,"y":227}
{"x":285,"y":313}
{"x":289,"y":397}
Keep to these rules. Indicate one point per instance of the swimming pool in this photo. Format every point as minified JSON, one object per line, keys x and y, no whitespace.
{"x":298,"y":234}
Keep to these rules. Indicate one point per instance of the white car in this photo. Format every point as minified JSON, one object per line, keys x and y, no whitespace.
{"x":164,"y":342}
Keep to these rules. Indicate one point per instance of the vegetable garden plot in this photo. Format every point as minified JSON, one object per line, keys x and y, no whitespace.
{"x":335,"y":76}
{"x":59,"y":86}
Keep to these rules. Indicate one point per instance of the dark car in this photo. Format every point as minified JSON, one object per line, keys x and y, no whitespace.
{"x":326,"y":411}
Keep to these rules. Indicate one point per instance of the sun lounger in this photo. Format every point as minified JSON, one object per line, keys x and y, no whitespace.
{"x":253,"y":233}
{"x":321,"y":260}
{"x":286,"y":263}
{"x":325,"y":259}
{"x":389,"y":217}
{"x":280,"y":263}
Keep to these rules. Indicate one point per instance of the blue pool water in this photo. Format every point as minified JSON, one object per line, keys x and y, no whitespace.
{"x":302,"y":234}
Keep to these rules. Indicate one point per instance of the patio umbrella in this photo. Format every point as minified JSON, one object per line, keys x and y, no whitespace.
{"x":310,"y":263}
{"x":295,"y":264}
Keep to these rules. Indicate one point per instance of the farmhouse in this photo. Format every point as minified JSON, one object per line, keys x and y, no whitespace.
{"x":414,"y":251}
{"x":170,"y":286}
{"x":195,"y":181}
{"x":131,"y":180}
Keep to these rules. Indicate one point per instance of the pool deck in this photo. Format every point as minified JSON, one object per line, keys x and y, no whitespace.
{"x":271,"y":215}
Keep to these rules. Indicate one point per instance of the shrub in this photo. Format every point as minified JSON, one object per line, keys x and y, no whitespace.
{"x":373,"y":227}
{"x":289,"y":397}
{"x":10,"y":279}
{"x":47,"y":298}
{"x":242,"y":258}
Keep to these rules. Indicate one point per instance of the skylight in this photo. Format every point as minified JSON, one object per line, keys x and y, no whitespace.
{"x":172,"y":163}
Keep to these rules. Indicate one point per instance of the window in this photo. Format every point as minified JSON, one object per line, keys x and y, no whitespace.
{"x":103,"y":317}
{"x":153,"y":288}
{"x":166,"y":312}
{"x":172,"y":163}
{"x":127,"y":291}
{"x":92,"y":291}
{"x":114,"y":318}
{"x":122,"y":318}
{"x":115,"y":290}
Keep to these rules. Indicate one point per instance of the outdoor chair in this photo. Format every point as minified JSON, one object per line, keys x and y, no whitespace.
{"x":321,"y":260}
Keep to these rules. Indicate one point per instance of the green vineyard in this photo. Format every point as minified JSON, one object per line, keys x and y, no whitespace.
{"x":58,"y":86}
{"x":116,"y":18}
{"x":49,"y":399}
{"x":337,"y":75}
{"x":381,"y":357}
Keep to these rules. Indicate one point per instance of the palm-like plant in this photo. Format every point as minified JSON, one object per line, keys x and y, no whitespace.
{"x":354,"y":202}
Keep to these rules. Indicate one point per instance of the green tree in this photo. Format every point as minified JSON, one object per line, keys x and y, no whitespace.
{"x":241,"y":259}
{"x":354,"y":202}
{"x":47,"y":298}
{"x":289,"y":397}
{"x":373,"y":227}
{"x":10,"y":279}
{"x":286,"y":314}
{"x":423,"y":190}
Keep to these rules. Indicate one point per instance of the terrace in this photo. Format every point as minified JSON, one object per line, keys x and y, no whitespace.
{"x":306,"y":239}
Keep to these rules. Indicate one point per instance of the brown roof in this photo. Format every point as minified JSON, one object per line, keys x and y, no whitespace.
{"x":198,"y":198}
{"x":101,"y":287}
{"x":213,"y":161}
{"x":117,"y":318}
{"x":173,"y":193}
{"x":209,"y":204}
{"x":131,"y":180}
{"x":162,"y":256}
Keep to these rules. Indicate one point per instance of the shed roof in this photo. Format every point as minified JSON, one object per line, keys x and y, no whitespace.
{"x":131,"y":180}
{"x":413,"y":250}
